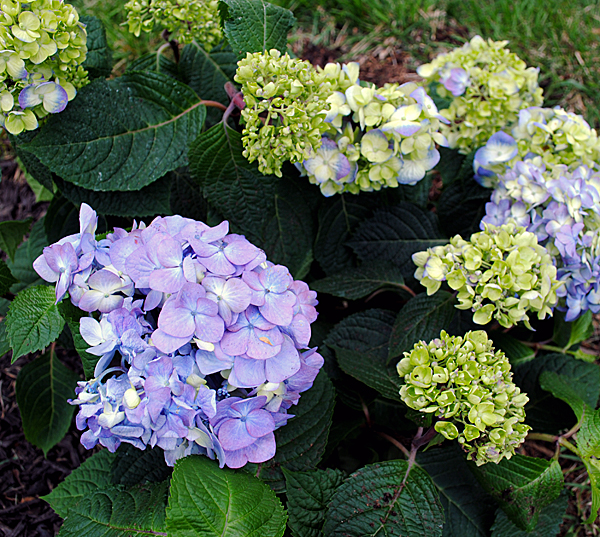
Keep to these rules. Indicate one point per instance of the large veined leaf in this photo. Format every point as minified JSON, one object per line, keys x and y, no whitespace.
{"x":544,"y":413}
{"x":567,"y":334}
{"x":273,"y":213}
{"x":7,"y":280}
{"x":11,"y":235}
{"x":155,"y":61}
{"x":148,"y":201}
{"x":4,"y":344}
{"x":186,"y":197}
{"x":133,"y":466}
{"x":361,"y":343}
{"x":72,"y":315}
{"x":98,"y":61}
{"x":118,"y":512}
{"x":516,"y":351}
{"x":467,"y":508}
{"x":355,"y":283}
{"x":395,"y":234}
{"x":309,"y":494}
{"x":522,"y":486}
{"x":94,"y":474}
{"x":33,"y":321}
{"x":548,"y":524}
{"x":208,"y":501}
{"x":339,"y":216}
{"x":255,"y":25}
{"x":421,"y":319}
{"x":301,"y":443}
{"x":121,"y":134}
{"x":379,"y":500}
{"x":43,"y":387}
{"x":27,"y":253}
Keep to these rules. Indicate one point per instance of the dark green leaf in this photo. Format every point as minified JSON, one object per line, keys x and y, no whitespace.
{"x":377,"y":498}
{"x":62,"y":219}
{"x":4,"y":344}
{"x":155,"y":61}
{"x":421,"y":319}
{"x":309,"y":494}
{"x":548,"y":525}
{"x":255,"y":26}
{"x":208,"y":501}
{"x":98,"y":62}
{"x":339,"y":216}
{"x":116,"y":512}
{"x":27,"y":253}
{"x":395,"y":234}
{"x":467,"y":508}
{"x":4,"y":305}
{"x":7,"y":280}
{"x":100,"y":144}
{"x":148,"y":201}
{"x":92,"y":475}
{"x":33,"y":321}
{"x":271,"y":212}
{"x":516,"y":351}
{"x":71,"y":315}
{"x":133,"y":466}
{"x":361,"y":343}
{"x":355,"y":283}
{"x":450,"y":164}
{"x":43,"y":387}
{"x":522,"y":486}
{"x":11,"y":235}
{"x":186,"y":197}
{"x":30,"y":162}
{"x":461,"y":208}
{"x":301,"y":443}
{"x":543,"y":412}
{"x":567,"y":334}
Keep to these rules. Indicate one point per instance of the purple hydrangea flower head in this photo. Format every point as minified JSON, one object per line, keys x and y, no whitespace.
{"x":456,"y":81}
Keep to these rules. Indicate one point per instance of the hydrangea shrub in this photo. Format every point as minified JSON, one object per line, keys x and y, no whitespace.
{"x":197,"y":333}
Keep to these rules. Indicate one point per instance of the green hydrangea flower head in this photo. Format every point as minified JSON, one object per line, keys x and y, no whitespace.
{"x":43,"y":45}
{"x":285,"y":108}
{"x":500,"y":273}
{"x":468,"y":387}
{"x":184,"y":20}
{"x":486,"y":85}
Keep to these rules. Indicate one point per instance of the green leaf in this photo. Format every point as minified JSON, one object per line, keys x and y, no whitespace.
{"x":98,"y":142}
{"x":376,"y":498}
{"x":155,"y":61}
{"x":208,"y":501}
{"x":27,"y":253}
{"x":449,"y":165}
{"x":522,"y":486}
{"x":92,"y":475}
{"x":71,"y":315}
{"x":467,"y":508}
{"x":461,"y":207}
{"x":421,"y":319}
{"x":516,"y":351}
{"x":43,"y":387}
{"x":116,"y":512}
{"x":548,"y":524}
{"x":255,"y":25}
{"x":40,"y":191}
{"x":11,"y":235}
{"x":301,"y":443}
{"x":567,"y":334}
{"x":33,"y":321}
{"x":7,"y":280}
{"x":133,"y":466}
{"x":272,"y":213}
{"x":543,"y":412}
{"x":361,"y":343}
{"x":148,"y":201}
{"x":98,"y":61}
{"x":62,"y":219}
{"x":395,"y":234}
{"x":208,"y":72}
{"x":186,"y":197}
{"x":309,"y":494}
{"x":339,"y":216}
{"x":355,"y":283}
{"x":4,"y":344}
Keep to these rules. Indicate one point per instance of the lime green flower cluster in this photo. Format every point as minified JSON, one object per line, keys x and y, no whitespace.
{"x":501,"y":272}
{"x":468,"y":386}
{"x":185,"y":20}
{"x":487,"y":85}
{"x":285,"y":108}
{"x":43,"y":46}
